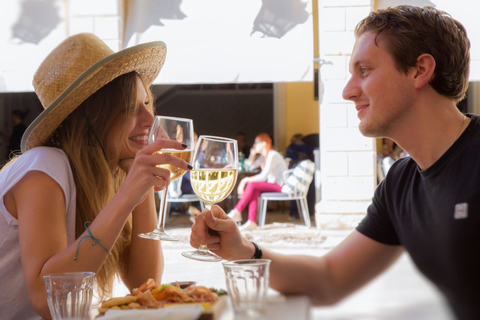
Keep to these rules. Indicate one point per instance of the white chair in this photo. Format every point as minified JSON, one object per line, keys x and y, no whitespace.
{"x":184,"y":198}
{"x":297,"y":182}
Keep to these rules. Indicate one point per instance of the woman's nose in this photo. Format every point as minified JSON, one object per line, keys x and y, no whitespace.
{"x":146,"y":116}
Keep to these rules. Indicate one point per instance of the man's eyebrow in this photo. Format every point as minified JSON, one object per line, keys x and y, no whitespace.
{"x":359,"y":62}
{"x":355,"y":65}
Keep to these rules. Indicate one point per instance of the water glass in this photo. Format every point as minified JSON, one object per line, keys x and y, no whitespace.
{"x":247,"y":284}
{"x":69,"y":295}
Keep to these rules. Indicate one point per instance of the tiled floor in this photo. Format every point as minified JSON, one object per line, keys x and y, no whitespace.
{"x":401,"y":293}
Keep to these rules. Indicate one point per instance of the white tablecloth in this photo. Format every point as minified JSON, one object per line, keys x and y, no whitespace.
{"x":277,"y":308}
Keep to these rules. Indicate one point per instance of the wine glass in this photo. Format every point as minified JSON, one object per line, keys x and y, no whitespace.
{"x":172,"y":128}
{"x":213,"y":177}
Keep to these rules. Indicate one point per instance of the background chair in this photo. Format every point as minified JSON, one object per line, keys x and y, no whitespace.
{"x":175,"y":195}
{"x":184,"y":198}
{"x":296,"y":188}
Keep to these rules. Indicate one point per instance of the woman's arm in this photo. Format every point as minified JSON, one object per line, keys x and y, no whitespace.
{"x":145,"y":257}
{"x":38,"y":202}
{"x":39,"y":205}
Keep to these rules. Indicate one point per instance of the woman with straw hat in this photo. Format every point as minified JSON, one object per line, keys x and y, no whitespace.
{"x":86,"y":173}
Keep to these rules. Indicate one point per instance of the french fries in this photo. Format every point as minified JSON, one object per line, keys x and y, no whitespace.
{"x":150,"y":295}
{"x":119,"y":301}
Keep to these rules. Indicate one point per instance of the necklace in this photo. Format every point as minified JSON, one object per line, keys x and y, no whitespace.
{"x":460,"y":129}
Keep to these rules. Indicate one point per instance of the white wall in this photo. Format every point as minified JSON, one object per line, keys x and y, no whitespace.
{"x":348,"y":158}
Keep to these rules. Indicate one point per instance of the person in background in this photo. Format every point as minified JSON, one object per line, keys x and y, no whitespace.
{"x":255,"y":161}
{"x":270,"y":179}
{"x":389,"y":148}
{"x":83,"y":188}
{"x":18,"y":129}
{"x":297,"y":151}
{"x":389,"y":154}
{"x":242,"y":145}
{"x":409,"y":69}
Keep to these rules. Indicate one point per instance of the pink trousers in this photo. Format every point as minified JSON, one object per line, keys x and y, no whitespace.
{"x":251,"y":194}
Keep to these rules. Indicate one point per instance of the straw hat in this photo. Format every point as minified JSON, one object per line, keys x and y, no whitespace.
{"x":76,"y":69}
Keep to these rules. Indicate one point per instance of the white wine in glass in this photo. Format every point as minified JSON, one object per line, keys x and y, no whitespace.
{"x":212,"y":178}
{"x":170,"y":128}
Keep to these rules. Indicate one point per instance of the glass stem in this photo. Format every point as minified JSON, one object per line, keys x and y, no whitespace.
{"x":161,"y":212}
{"x":203,"y":249}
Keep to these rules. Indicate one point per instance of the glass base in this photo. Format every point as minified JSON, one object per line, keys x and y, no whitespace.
{"x":157,"y":235}
{"x":250,"y":313}
{"x":201,"y":255}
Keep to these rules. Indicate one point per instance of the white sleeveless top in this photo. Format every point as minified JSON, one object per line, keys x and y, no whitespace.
{"x":14,"y":299}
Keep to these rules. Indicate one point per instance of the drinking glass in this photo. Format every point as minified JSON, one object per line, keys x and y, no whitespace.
{"x":213,"y":177}
{"x":69,"y":294}
{"x":170,"y":128}
{"x":247,"y":285}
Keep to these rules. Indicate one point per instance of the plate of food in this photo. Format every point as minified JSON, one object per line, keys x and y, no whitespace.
{"x":179,"y":294}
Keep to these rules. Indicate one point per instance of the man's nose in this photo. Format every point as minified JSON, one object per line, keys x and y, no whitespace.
{"x":351,"y":90}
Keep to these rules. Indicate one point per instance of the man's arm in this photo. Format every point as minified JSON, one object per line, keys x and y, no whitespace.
{"x":330,"y":278}
{"x":327,"y":279}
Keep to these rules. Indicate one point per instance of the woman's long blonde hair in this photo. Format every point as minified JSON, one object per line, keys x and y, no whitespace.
{"x":84,"y":137}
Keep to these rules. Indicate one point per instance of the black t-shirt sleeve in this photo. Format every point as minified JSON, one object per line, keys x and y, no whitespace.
{"x":377,"y":224}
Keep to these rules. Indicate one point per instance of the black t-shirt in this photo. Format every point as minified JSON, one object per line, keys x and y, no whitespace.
{"x":435,"y":215}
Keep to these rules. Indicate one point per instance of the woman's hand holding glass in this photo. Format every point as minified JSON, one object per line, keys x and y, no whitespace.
{"x":169,"y":160}
{"x":143,"y":173}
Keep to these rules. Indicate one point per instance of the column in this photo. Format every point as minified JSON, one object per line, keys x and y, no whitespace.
{"x":348,"y":159}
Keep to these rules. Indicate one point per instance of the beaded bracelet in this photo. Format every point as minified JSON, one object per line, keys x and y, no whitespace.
{"x":95,"y":241}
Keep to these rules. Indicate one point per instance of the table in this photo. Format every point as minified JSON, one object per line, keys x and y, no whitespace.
{"x":277,"y":307}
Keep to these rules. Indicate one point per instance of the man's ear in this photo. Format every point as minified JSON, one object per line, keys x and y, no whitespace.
{"x":424,"y":70}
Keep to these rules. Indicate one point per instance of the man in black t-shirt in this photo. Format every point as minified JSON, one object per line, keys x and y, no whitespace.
{"x":409,"y":69}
